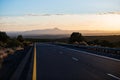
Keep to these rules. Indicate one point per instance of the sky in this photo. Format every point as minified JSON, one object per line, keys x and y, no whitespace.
{"x":23,"y":15}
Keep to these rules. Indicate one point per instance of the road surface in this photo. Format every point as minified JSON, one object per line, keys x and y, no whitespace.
{"x":59,"y":63}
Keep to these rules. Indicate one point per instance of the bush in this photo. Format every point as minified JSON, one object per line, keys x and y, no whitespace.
{"x":3,"y":37}
{"x":14,"y":43}
{"x":106,"y":43}
{"x":20,"y":38}
{"x":76,"y":37}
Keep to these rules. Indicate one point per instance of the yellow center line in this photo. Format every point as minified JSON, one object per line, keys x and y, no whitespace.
{"x":34,"y":64}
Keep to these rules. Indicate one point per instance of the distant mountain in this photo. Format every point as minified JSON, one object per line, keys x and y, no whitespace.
{"x":53,"y":31}
{"x":58,"y":33}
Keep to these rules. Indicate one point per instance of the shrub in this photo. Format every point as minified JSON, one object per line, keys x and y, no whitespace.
{"x":3,"y":36}
{"x":14,"y":43}
{"x":76,"y":37}
{"x":20,"y":38}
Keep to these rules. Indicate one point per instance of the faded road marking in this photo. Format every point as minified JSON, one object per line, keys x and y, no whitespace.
{"x":75,"y":59}
{"x":113,"y":76}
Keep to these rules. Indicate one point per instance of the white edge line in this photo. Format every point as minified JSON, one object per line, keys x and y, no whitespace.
{"x":113,"y":76}
{"x":91,"y":54}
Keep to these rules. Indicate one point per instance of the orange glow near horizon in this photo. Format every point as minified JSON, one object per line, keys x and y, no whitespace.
{"x":105,"y":22}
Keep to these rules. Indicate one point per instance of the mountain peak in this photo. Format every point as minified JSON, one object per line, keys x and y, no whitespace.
{"x":56,"y":28}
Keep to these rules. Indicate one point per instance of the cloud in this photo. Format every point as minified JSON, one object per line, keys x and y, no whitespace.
{"x":32,"y":15}
{"x":44,"y":14}
{"x":118,"y":13}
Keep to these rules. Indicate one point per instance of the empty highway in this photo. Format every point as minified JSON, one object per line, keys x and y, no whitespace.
{"x":59,"y":63}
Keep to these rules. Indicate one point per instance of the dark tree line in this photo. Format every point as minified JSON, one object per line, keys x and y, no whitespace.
{"x":3,"y":36}
{"x":6,"y":41}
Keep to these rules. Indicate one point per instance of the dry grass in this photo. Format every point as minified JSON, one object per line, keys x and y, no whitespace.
{"x":107,"y":38}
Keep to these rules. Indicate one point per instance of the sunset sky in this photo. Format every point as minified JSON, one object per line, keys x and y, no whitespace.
{"x":23,"y":15}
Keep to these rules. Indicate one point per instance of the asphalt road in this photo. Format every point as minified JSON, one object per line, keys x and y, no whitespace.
{"x":12,"y":63}
{"x":60,"y":63}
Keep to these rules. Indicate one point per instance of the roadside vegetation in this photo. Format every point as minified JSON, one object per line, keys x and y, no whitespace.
{"x":77,"y":38}
{"x":112,"y":41}
{"x":9,"y":45}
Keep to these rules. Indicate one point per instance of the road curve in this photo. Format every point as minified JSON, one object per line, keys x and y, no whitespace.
{"x":60,"y":63}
